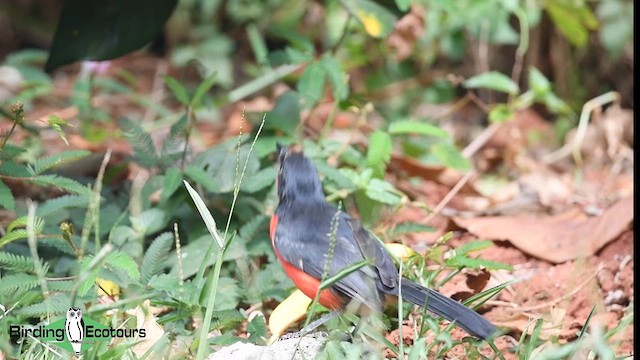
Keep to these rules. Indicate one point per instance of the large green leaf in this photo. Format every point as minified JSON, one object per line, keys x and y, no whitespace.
{"x":223,"y":164}
{"x":104,"y":30}
{"x":492,"y":80}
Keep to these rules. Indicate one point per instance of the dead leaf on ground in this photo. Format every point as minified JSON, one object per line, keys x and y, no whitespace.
{"x":478,"y":280}
{"x":438,"y":173}
{"x":558,"y":238}
{"x":147,"y":320}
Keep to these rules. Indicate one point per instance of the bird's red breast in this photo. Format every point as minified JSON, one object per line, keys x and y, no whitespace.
{"x":303,"y":281}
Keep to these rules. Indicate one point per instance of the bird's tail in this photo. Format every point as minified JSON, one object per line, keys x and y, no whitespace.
{"x":469,"y":320}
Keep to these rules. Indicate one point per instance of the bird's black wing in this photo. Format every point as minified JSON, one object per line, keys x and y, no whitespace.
{"x":303,"y":239}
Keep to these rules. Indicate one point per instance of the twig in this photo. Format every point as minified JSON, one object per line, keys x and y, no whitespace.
{"x":450,"y":195}
{"x":575,"y":145}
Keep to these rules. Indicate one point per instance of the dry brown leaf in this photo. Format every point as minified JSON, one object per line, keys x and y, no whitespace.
{"x":438,"y":173}
{"x":478,"y":280}
{"x":146,"y":320}
{"x":558,"y":238}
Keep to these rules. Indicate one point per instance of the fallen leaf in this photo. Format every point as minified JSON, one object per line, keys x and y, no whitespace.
{"x":288,"y":312}
{"x":153,"y":331}
{"x":557,"y":238}
{"x":478,"y":280}
{"x":440,"y":174}
{"x":400,"y":251}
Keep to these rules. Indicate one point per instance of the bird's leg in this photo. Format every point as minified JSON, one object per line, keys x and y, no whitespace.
{"x":315,"y":324}
{"x":312,"y":326}
{"x":358,"y":327}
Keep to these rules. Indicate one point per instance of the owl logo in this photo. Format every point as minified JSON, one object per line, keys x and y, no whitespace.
{"x":74,"y":327}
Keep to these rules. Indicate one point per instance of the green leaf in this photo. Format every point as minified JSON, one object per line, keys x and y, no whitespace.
{"x":12,"y":169}
{"x":178,"y":90}
{"x":228,"y":293}
{"x":45,"y":163}
{"x":450,"y":156}
{"x":140,"y":141}
{"x":55,"y":305}
{"x":224,"y":162}
{"x":90,"y":278}
{"x":379,"y":152}
{"x":403,"y":5}
{"x":62,"y":183}
{"x":62,"y":202}
{"x":121,"y":261}
{"x":257,"y":328}
{"x":538,"y":82}
{"x":56,"y":123}
{"x":105,"y":30}
{"x":377,"y":21}
{"x":382,"y":192}
{"x":492,"y":80}
{"x":616,"y":31}
{"x":150,"y":221}
{"x":259,"y":180}
{"x":202,"y":178}
{"x":311,"y":84}
{"x":500,"y":113}
{"x":202,"y":89}
{"x":346,"y":271}
{"x":13,"y":236}
{"x":175,"y":142}
{"x":171,"y":182}
{"x":411,"y":228}
{"x":337,"y":76}
{"x":285,"y":115}
{"x":206,"y":216}
{"x":472,"y":263}
{"x":474,"y":246}
{"x":18,"y":283}
{"x":154,"y":256}
{"x":258,"y":44}
{"x":418,"y":128}
{"x":6,"y":197}
{"x":13,"y":262}
{"x":572,"y":21}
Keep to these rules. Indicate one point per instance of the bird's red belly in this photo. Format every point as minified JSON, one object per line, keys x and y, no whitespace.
{"x":303,"y":281}
{"x":309,"y":286}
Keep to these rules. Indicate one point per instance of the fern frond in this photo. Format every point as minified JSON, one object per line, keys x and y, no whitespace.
{"x":121,"y":261}
{"x":155,"y":255}
{"x":175,"y":140}
{"x":10,"y":168}
{"x":45,"y":163}
{"x":58,"y":244}
{"x":22,"y":222}
{"x":66,"y":201}
{"x":60,"y":286}
{"x":249,"y":229}
{"x":55,"y":305}
{"x":18,"y":282}
{"x":13,"y":262}
{"x":140,"y":141}
{"x":62,"y":183}
{"x":13,"y":236}
{"x":10,"y":152}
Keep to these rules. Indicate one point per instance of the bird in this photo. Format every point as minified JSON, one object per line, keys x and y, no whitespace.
{"x":305,"y":229}
{"x":74,"y":327}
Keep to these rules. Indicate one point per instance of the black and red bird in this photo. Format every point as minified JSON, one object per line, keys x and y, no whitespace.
{"x":301,"y":229}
